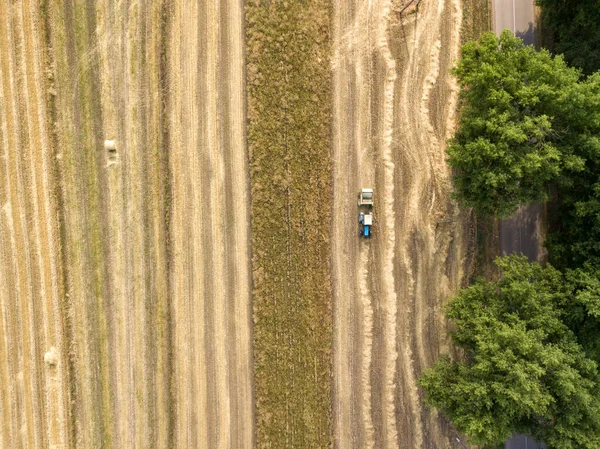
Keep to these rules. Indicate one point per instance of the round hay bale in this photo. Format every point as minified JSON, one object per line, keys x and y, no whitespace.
{"x":51,"y":357}
{"x":109,"y":145}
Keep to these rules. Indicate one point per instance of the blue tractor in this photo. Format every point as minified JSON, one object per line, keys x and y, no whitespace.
{"x":365,"y":216}
{"x":366,"y":222}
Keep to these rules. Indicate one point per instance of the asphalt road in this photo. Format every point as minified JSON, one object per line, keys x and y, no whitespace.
{"x":517,"y":16}
{"x":522,"y":232}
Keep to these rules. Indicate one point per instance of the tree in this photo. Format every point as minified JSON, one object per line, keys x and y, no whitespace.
{"x":574,"y":26}
{"x":513,"y":139}
{"x":576,"y":239}
{"x":529,"y":123}
{"x":523,"y":369}
{"x":581,"y":307}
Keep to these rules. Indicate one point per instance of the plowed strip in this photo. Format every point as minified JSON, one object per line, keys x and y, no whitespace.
{"x":399,"y":67}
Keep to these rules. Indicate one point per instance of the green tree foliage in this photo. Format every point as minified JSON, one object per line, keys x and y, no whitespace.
{"x":513,"y":139}
{"x":577,"y":237}
{"x":523,"y":369}
{"x":574,"y":26}
{"x":581,"y":307}
{"x":529,"y":123}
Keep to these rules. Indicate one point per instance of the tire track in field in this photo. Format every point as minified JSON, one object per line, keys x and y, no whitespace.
{"x":367,"y":347}
{"x":388,"y":235}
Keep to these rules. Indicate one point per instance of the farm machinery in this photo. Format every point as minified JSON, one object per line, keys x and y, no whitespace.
{"x":365,"y":214}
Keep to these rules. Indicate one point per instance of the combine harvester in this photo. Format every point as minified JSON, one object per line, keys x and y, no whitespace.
{"x":365,"y":214}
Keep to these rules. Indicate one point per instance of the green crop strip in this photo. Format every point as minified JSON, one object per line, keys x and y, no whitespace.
{"x":289,"y":113}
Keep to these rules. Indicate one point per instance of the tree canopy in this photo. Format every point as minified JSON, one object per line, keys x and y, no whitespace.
{"x":529,"y":129}
{"x":523,"y":368}
{"x":519,"y":129}
{"x":530,"y":126}
{"x":574,"y":26}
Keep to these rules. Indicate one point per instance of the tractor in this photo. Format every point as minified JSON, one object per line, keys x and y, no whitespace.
{"x":366,"y":222}
{"x":365,"y":214}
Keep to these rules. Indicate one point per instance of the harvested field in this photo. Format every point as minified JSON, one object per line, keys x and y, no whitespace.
{"x":209,"y":227}
{"x":126,"y":275}
{"x":394,"y":103}
{"x":477,"y":19}
{"x":134,"y":264}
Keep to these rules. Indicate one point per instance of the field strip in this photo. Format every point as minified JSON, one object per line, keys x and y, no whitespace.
{"x":27,"y":377}
{"x":367,"y":348}
{"x":342,"y":288}
{"x":457,"y":18}
{"x":363,"y":64}
{"x":220,"y":277}
{"x":54,"y":404}
{"x":388,"y":234}
{"x":143,"y":287}
{"x":354,"y":411}
{"x":431,"y":266}
{"x":428,"y":64}
{"x":414,"y":77}
{"x":58,"y":397}
{"x":209,"y":226}
{"x":289,"y":138}
{"x":78,"y":122}
{"x":240,"y":299}
{"x":6,"y":386}
{"x":190,"y":365}
{"x":10,"y":396}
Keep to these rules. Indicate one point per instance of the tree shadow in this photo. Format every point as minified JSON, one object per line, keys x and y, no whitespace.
{"x":528,"y":36}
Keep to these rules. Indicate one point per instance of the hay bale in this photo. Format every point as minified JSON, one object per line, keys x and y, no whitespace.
{"x":51,"y":357}
{"x":109,"y":145}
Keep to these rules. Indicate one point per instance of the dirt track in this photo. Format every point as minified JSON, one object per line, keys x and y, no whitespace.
{"x":134,"y":265}
{"x":393,"y":111}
